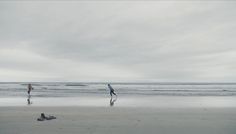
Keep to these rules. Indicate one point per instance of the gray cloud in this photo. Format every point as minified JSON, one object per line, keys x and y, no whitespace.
{"x":117,"y":41}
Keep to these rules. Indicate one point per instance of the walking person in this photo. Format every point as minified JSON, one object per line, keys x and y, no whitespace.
{"x":111,"y":90}
{"x":30,"y":88}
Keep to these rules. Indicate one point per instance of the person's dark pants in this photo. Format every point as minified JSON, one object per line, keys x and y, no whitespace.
{"x":112,"y":92}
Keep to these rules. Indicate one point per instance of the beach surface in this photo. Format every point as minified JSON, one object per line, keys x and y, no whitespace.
{"x":172,"y":117}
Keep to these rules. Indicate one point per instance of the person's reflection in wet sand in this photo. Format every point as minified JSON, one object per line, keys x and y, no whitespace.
{"x":28,"y":101}
{"x":112,"y":101}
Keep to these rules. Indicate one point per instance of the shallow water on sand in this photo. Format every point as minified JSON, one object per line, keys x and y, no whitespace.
{"x":124,"y":101}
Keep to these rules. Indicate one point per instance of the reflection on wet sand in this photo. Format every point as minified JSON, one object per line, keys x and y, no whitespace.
{"x":112,"y":101}
{"x":29,"y":102}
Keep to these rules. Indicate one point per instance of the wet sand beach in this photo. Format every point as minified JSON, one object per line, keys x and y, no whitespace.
{"x":121,"y":119}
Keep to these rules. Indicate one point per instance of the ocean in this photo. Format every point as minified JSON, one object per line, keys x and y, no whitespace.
{"x":173,"y":95}
{"x":73,"y":89}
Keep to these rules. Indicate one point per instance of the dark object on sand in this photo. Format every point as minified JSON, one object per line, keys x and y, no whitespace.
{"x":43,"y":117}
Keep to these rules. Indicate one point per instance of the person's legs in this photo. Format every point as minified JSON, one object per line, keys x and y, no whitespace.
{"x":113,"y":93}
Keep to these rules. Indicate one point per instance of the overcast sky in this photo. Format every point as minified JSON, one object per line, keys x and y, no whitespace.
{"x":118,"y":41}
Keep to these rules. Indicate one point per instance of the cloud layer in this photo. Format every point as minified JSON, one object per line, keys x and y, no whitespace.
{"x":118,"y":41}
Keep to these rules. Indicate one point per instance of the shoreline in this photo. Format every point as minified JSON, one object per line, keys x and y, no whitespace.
{"x":123,"y":101}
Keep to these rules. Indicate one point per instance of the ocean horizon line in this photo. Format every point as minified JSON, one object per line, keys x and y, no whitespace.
{"x":128,"y":83}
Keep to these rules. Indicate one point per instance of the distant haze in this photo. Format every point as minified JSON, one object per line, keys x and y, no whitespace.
{"x":129,"y":41}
